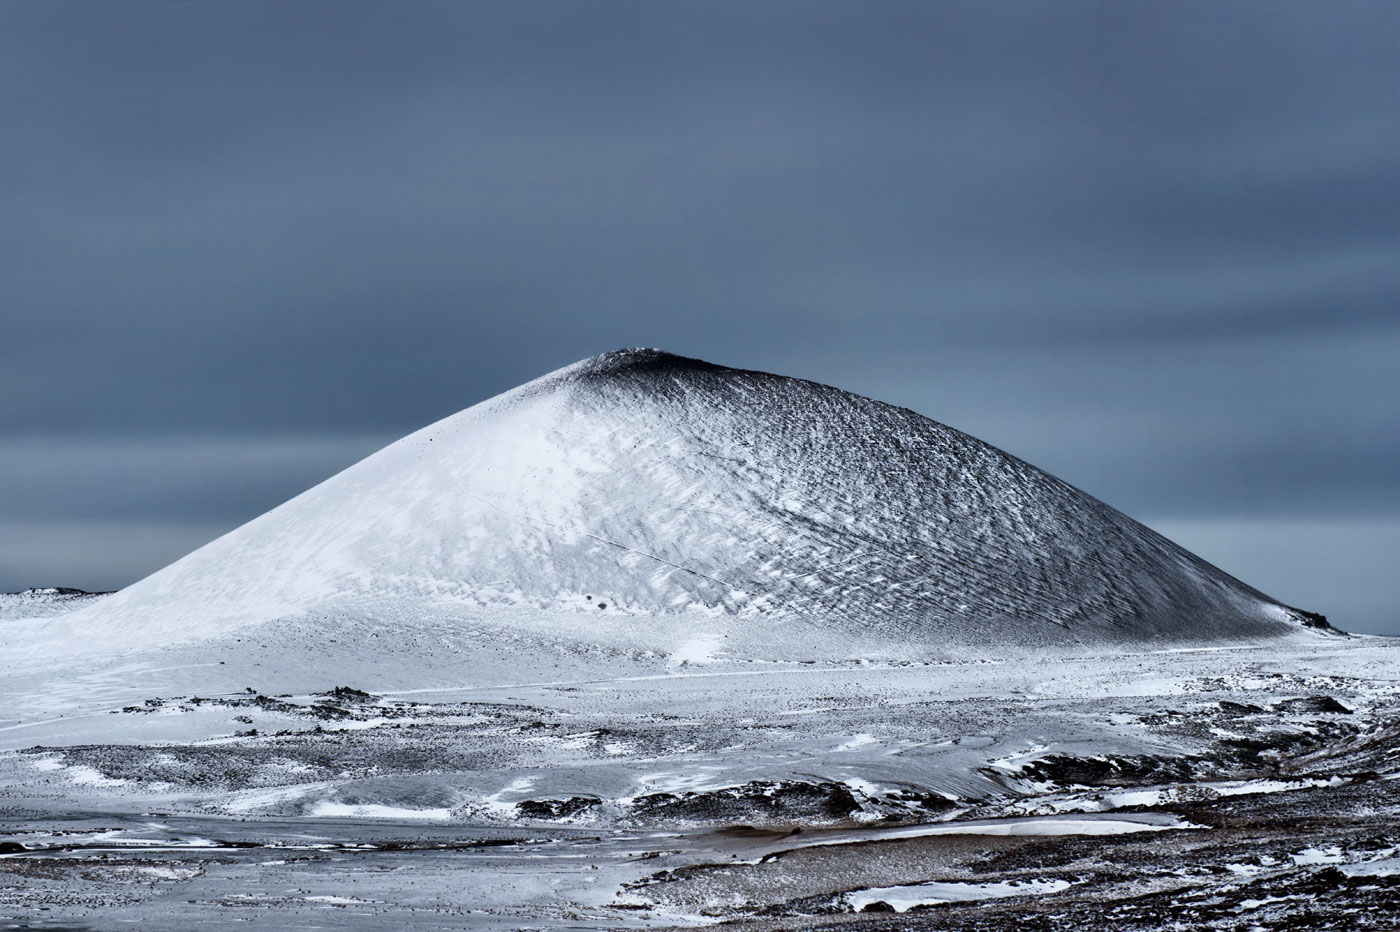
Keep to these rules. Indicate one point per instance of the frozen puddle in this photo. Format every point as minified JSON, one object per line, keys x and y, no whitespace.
{"x":1042,"y":825}
{"x":903,"y":898}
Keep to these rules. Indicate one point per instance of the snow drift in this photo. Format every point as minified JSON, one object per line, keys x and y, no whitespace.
{"x":658,"y":487}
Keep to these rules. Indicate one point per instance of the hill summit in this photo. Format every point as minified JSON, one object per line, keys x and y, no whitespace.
{"x":654,"y":486}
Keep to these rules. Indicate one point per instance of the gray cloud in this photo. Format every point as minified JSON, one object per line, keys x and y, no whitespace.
{"x":1150,"y":248}
{"x":1331,"y":563}
{"x":192,"y":478}
{"x":97,"y":555}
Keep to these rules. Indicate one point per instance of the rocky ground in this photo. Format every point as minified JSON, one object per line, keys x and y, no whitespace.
{"x":1249,"y":788}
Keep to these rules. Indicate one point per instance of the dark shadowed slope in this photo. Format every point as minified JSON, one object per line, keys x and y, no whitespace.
{"x":650,"y":485}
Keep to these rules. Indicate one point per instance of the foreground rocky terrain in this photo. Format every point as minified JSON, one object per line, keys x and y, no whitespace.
{"x":1241,"y":788}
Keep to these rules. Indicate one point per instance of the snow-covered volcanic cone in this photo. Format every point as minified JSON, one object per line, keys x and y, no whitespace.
{"x":650,"y":489}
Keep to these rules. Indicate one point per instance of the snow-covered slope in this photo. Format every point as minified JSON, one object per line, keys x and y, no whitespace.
{"x":655,"y":486}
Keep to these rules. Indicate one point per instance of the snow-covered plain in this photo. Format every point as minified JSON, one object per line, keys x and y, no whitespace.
{"x":650,"y":642}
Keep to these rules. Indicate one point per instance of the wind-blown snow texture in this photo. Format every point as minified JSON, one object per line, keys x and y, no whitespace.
{"x":651,"y":485}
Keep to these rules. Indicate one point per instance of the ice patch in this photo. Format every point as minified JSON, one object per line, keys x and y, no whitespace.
{"x":696,"y":650}
{"x":858,"y":741}
{"x":698,"y":778}
{"x":1099,"y":801}
{"x":1384,"y":865}
{"x":1014,"y":762}
{"x":250,"y":800}
{"x":1015,"y":827}
{"x":1245,"y":870}
{"x":88,"y":776}
{"x":75,"y":773}
{"x":1329,"y":855}
{"x":498,"y":805}
{"x":331,"y":810}
{"x":117,"y":838}
{"x":907,"y":897}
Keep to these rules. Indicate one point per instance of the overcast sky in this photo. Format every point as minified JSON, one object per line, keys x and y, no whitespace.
{"x":1151,"y":248}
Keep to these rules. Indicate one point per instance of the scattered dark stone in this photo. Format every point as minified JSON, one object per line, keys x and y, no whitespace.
{"x":929,"y":802}
{"x":759,"y":801}
{"x":11,"y":847}
{"x":350,"y":694}
{"x":1314,"y":620}
{"x":1239,"y":708}
{"x":879,"y":906}
{"x":268,"y":704}
{"x":557,"y":808}
{"x":1318,"y":704}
